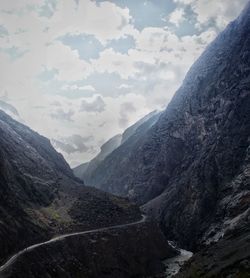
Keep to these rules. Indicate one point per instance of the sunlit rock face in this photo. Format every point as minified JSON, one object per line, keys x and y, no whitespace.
{"x":191,"y":169}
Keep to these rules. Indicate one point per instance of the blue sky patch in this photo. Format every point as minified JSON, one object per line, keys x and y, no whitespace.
{"x":148,"y":13}
{"x":122,"y":45}
{"x":87,"y":46}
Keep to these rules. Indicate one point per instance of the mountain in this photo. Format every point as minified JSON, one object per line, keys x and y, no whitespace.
{"x":86,"y":170}
{"x":191,"y":169}
{"x":97,"y":170}
{"x":40,"y":198}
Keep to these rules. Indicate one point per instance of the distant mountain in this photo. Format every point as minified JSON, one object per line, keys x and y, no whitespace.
{"x":89,"y":172}
{"x":191,"y":169}
{"x":40,"y":198}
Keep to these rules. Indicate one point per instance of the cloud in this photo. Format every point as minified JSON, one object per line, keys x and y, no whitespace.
{"x":186,"y":2}
{"x":73,"y":144}
{"x":125,"y":86}
{"x":67,"y":148}
{"x":220,"y":12}
{"x":98,"y":105}
{"x":56,"y":103}
{"x":78,"y":88}
{"x":13,"y":6}
{"x":114,"y":62}
{"x":61,"y":115}
{"x":14,"y":52}
{"x":105,"y":20}
{"x":177,"y":17}
{"x":3,"y":31}
{"x":127,"y":108}
{"x":67,"y":63}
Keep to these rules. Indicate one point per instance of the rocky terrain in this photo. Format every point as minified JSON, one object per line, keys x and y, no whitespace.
{"x":40,"y":198}
{"x":190,"y":170}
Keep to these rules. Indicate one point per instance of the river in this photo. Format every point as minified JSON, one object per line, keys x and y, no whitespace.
{"x":173,"y":265}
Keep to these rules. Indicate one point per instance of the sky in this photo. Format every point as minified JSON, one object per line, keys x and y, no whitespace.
{"x":81,"y":71}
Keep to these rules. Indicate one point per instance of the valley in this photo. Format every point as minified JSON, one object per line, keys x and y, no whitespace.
{"x":167,"y":197}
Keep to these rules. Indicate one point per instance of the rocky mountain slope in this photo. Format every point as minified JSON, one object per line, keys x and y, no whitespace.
{"x":40,"y":197}
{"x":191,"y":169}
{"x":96,"y":170}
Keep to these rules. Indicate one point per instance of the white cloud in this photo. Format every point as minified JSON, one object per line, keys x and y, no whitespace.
{"x":125,"y":86}
{"x":104,"y":20}
{"x":177,"y":17}
{"x":19,"y":6}
{"x":78,"y":88}
{"x":221,"y":12}
{"x":186,"y":2}
{"x":87,"y":88}
{"x":97,"y":105}
{"x":114,"y":62}
{"x":70,"y":67}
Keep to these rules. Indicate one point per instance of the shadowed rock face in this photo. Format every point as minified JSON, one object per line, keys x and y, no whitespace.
{"x":191,"y":169}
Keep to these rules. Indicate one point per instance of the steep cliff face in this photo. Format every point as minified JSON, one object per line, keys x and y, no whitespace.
{"x":39,"y":195}
{"x":191,"y":169}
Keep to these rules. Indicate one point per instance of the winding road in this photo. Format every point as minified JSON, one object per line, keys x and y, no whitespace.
{"x":61,"y":237}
